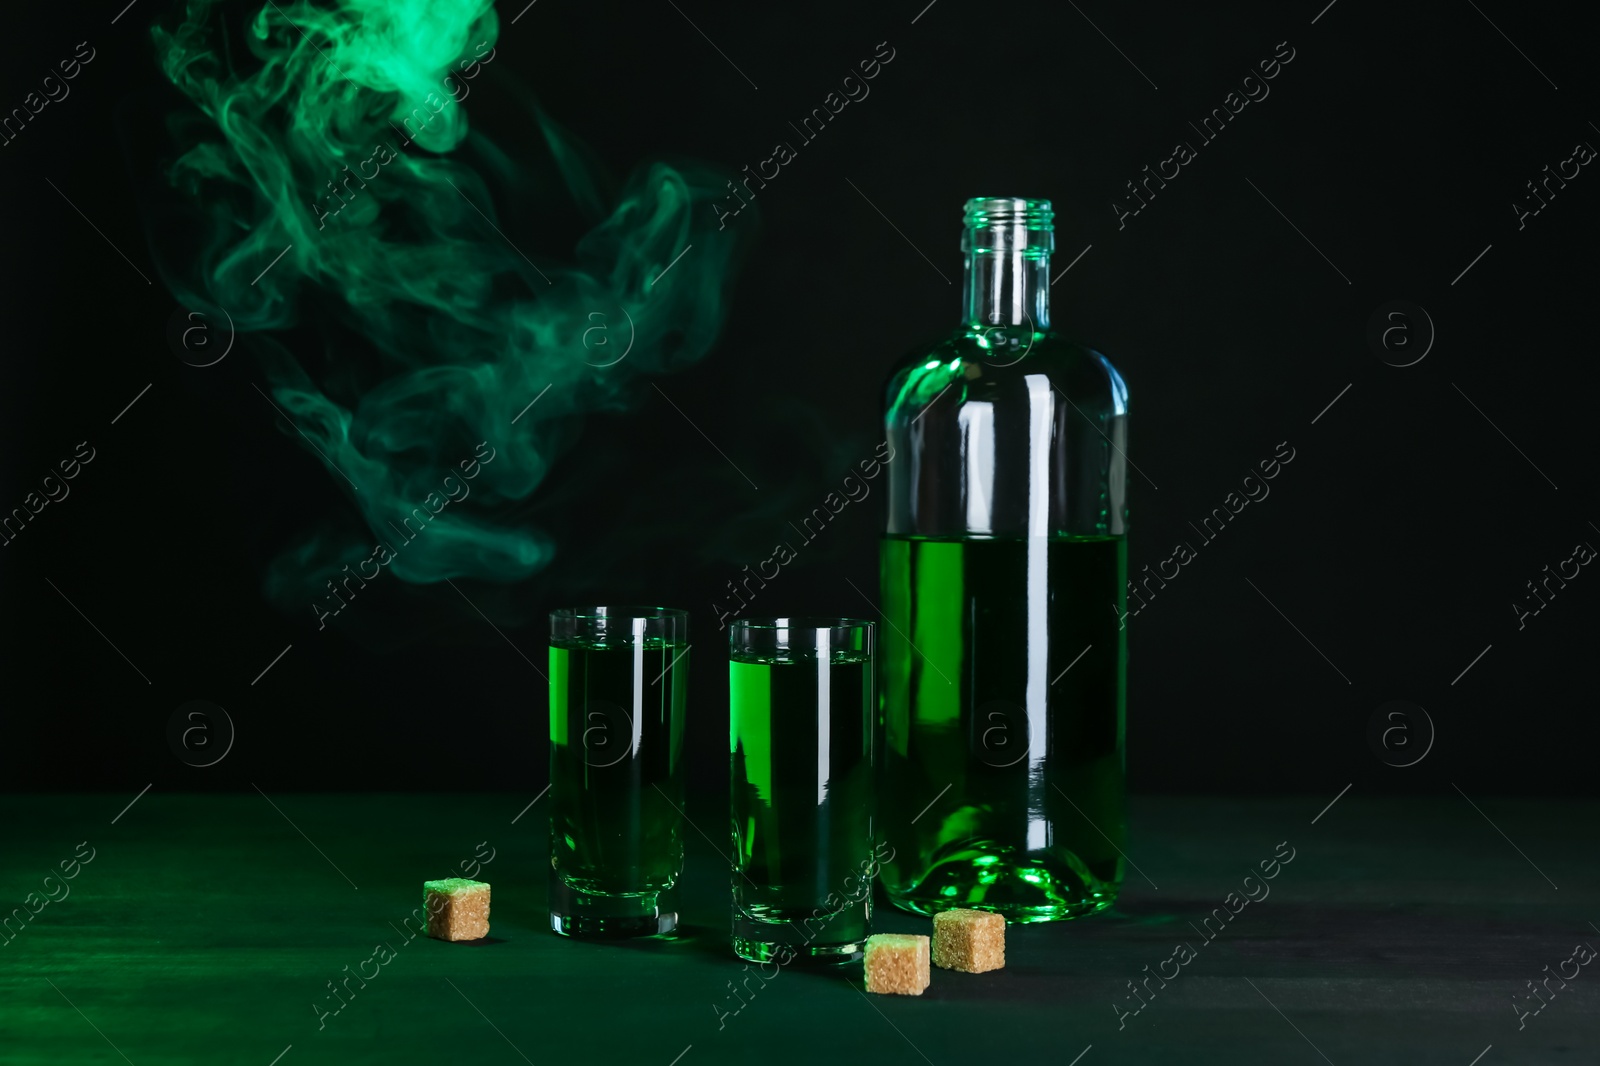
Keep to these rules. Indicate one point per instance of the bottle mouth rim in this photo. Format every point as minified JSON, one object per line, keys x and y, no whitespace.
{"x":991,"y":212}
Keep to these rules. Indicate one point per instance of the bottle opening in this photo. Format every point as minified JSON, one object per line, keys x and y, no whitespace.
{"x":1009,"y":224}
{"x":985,"y":211}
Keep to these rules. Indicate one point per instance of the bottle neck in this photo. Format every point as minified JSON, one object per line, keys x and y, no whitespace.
{"x":1006,"y":288}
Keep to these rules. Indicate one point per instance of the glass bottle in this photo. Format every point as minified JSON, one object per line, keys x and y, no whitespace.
{"x":1003,"y":569}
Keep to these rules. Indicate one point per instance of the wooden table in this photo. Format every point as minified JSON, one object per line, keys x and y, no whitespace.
{"x":207,"y":929}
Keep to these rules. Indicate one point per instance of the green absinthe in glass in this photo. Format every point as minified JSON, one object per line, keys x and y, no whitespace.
{"x":1003,"y":567}
{"x":618,"y":684}
{"x":801,"y":735}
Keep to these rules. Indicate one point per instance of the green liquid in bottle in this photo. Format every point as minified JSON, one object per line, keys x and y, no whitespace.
{"x":800,"y":735}
{"x":616,"y":740}
{"x":1003,"y":701}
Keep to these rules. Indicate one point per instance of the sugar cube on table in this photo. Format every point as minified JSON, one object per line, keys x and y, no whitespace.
{"x":458,"y":909}
{"x":968,"y":940}
{"x":897,"y":963}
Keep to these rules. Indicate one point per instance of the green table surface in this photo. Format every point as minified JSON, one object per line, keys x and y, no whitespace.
{"x":205,"y":927}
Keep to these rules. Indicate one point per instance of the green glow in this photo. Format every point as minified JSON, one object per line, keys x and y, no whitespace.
{"x":432,"y":331}
{"x":924,"y":383}
{"x":923,"y":593}
{"x":451,"y":885}
{"x":560,"y":682}
{"x":750,"y":727}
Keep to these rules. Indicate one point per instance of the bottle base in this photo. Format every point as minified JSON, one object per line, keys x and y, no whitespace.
{"x":981,"y":875}
{"x":1014,"y":913}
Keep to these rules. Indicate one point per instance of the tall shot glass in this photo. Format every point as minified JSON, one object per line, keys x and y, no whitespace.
{"x":618,"y":685}
{"x":801,"y":736}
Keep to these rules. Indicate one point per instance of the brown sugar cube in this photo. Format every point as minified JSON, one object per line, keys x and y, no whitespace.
{"x":972,"y":941}
{"x":458,"y":909}
{"x":897,"y":963}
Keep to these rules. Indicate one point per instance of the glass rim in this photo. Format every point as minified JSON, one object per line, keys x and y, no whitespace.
{"x":604,"y":612}
{"x":622,"y":625}
{"x":799,"y":623}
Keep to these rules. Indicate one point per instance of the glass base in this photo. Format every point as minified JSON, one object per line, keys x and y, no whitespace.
{"x":574,"y":912}
{"x":786,"y":954}
{"x":798,"y":935}
{"x":612,"y":928}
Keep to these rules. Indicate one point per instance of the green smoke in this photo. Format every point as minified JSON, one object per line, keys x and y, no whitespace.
{"x":431,"y":331}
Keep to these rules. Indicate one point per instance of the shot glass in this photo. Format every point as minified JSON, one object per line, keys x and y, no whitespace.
{"x":801,"y":735}
{"x":618,"y":682}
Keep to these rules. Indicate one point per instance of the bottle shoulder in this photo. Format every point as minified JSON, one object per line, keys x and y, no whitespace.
{"x":1001,"y":361}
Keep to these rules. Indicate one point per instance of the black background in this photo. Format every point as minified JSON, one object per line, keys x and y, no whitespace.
{"x":1396,"y":541}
